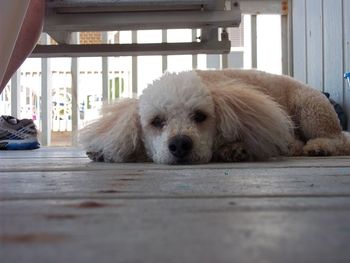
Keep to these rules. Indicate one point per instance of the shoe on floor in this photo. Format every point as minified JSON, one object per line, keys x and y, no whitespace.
{"x":18,"y":134}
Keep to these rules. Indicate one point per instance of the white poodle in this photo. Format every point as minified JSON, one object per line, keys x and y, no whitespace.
{"x":223,"y":115}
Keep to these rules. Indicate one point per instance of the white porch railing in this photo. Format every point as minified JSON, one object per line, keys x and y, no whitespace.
{"x":67,"y":117}
{"x":296,"y":59}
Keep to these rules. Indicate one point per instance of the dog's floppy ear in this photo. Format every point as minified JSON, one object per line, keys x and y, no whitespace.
{"x":246,"y":115}
{"x":117,"y":135}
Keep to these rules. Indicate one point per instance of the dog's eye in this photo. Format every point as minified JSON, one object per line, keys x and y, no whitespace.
{"x":199,"y":116}
{"x":158,"y":122}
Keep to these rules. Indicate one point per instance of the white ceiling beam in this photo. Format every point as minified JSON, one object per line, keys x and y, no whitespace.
{"x":141,"y":20}
{"x":212,"y":47}
{"x":266,"y":7}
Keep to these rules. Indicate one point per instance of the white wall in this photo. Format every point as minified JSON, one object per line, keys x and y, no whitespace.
{"x":321,"y":46}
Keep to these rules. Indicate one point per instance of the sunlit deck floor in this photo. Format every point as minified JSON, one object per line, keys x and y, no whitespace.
{"x":57,"y":206}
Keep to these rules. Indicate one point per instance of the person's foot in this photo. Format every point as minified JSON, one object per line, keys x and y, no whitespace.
{"x":18,"y":134}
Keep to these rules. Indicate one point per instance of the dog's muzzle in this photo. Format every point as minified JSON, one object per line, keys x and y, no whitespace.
{"x":180,"y":146}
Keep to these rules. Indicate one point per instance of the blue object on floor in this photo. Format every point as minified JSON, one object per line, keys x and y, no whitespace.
{"x":347,"y":76}
{"x":18,"y":134}
{"x":19,"y":144}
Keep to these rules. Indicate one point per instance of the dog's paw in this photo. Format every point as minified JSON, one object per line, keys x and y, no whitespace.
{"x":96,"y":156}
{"x":315,"y":150}
{"x":234,"y":152}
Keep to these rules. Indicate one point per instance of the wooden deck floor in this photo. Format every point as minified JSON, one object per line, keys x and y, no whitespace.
{"x":57,"y":206}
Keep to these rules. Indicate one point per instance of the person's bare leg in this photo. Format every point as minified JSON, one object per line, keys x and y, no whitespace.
{"x":27,"y":38}
{"x":12,"y":15}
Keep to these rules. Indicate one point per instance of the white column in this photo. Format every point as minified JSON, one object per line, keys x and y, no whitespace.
{"x":46,"y":96}
{"x":224,"y":57}
{"x":285,"y":44}
{"x":75,"y":93}
{"x":164,"y":57}
{"x":134,"y":66}
{"x":16,"y":94}
{"x":105,"y":96}
{"x":254,"y":42}
{"x":194,"y":57}
{"x":213,"y":60}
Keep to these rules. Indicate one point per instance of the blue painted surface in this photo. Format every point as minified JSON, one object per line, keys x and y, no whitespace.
{"x":347,"y":76}
{"x":22,"y":145}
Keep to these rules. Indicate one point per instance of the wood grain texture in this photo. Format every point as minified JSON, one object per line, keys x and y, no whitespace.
{"x":229,"y":230}
{"x":57,"y":206}
{"x":164,"y":183}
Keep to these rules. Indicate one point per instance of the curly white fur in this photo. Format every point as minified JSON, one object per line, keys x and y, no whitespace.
{"x":249,"y":115}
{"x":175,"y":97}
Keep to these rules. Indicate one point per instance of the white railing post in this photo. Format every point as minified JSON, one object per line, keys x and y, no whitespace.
{"x":16,"y":94}
{"x":164,"y":57}
{"x":213,"y":60}
{"x":75,"y":93}
{"x":285,"y":44}
{"x":46,"y":96}
{"x":224,"y":57}
{"x":254,"y":45}
{"x":134,"y":66}
{"x":194,"y":57}
{"x":105,"y":93}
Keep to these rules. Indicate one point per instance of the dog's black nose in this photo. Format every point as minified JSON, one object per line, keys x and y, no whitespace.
{"x":180,"y":145}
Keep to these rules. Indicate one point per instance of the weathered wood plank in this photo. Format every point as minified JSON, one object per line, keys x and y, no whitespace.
{"x":74,"y":159}
{"x":333,"y":49}
{"x":165,"y":183}
{"x":239,"y":230}
{"x":59,"y":207}
{"x":43,"y":152}
{"x":83,"y":164}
